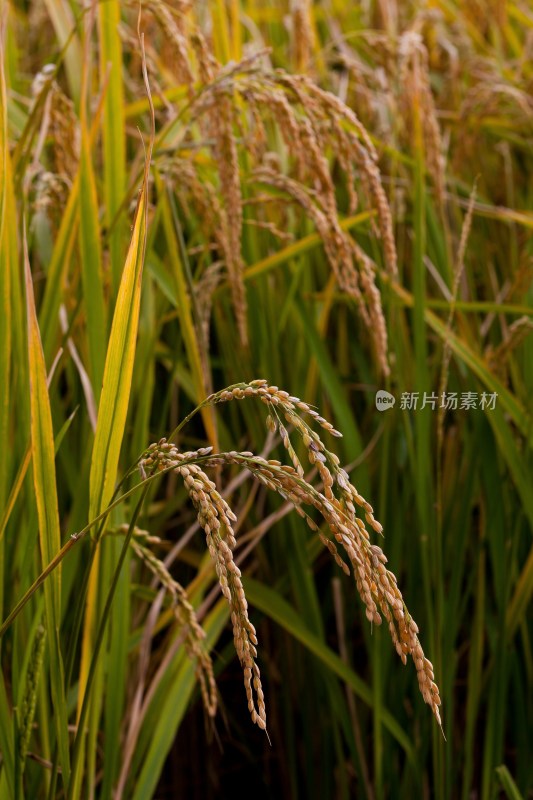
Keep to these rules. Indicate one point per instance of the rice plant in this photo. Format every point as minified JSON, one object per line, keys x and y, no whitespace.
{"x":336,"y":197}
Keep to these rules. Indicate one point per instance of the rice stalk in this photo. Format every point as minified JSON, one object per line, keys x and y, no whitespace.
{"x":316,"y":126}
{"x":346,"y":513}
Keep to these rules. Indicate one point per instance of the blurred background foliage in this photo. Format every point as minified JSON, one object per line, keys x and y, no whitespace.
{"x":269,"y":254}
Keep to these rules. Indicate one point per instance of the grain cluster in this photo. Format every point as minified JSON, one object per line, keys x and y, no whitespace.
{"x":334,"y":509}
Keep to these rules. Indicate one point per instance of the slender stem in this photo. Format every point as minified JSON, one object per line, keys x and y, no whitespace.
{"x":60,"y":555}
{"x":186,"y":420}
{"x":198,"y":408}
{"x":58,"y":558}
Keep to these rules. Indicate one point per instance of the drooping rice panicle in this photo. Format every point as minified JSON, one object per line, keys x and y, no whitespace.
{"x":343,"y":509}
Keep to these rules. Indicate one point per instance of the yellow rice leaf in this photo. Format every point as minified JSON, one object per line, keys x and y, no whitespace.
{"x":118,"y":368}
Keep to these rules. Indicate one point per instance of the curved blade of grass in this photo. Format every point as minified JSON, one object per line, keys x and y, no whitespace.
{"x":509,"y":786}
{"x":275,"y":607}
{"x":485,"y":306}
{"x":44,"y":481}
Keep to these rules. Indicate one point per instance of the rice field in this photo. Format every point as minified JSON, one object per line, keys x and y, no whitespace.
{"x":266,"y":369}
